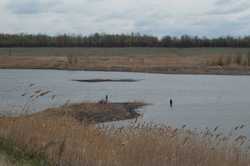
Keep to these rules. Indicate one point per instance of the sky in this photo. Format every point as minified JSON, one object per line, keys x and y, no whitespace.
{"x":210,"y":18}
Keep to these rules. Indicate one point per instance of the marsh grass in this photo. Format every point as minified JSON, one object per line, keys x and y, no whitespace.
{"x":72,"y":60}
{"x":12,"y":155}
{"x":242,"y":60}
{"x":152,"y":60}
{"x":65,"y":142}
{"x":248,"y":58}
{"x":4,"y":161}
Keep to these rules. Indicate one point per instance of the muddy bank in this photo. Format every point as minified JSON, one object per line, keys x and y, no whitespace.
{"x":93,"y":112}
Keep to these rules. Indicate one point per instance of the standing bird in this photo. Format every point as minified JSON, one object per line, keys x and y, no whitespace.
{"x":106,"y":99}
{"x":171,"y":103}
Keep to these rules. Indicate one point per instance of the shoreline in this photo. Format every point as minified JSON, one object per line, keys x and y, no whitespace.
{"x":222,"y":72}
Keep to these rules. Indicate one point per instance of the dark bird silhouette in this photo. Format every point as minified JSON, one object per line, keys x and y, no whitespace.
{"x":107,"y":99}
{"x":171,"y":103}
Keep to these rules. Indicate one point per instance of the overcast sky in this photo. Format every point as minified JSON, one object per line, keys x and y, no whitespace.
{"x":155,"y":17}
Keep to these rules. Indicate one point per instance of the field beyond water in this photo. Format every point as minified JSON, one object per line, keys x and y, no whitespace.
{"x":61,"y":138}
{"x":153,"y":60}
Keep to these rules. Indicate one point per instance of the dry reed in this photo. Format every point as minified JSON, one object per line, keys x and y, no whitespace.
{"x":231,"y":60}
{"x":65,"y":141}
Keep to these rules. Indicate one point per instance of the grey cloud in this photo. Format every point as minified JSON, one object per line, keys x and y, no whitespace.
{"x":112,"y":16}
{"x":232,"y":10}
{"x":222,"y":26}
{"x":30,"y":6}
{"x":224,"y":2}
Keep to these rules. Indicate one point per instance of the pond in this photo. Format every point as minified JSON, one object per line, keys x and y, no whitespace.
{"x":199,"y":101}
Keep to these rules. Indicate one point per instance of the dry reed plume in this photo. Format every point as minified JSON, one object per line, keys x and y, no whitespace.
{"x":242,"y":60}
{"x":66,"y":141}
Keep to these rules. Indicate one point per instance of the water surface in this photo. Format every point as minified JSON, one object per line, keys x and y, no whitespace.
{"x":199,"y":100}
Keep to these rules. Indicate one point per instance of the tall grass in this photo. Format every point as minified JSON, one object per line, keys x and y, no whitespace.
{"x":67,"y":142}
{"x":248,"y":58}
{"x":157,"y":60}
{"x":72,"y":60}
{"x":227,"y":60}
{"x":4,"y":161}
{"x":11,"y":155}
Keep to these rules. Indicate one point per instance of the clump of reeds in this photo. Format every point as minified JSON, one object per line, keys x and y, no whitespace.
{"x":248,"y":58}
{"x":240,"y":60}
{"x":72,"y":60}
{"x":4,"y":161}
{"x":11,"y":155}
{"x":67,"y":142}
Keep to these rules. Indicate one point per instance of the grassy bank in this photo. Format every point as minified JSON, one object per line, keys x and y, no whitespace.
{"x":65,"y":140}
{"x":153,"y":60}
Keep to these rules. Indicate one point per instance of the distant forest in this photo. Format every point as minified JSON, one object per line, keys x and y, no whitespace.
{"x":119,"y":40}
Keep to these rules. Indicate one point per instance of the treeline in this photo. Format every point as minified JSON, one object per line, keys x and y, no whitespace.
{"x":116,"y":40}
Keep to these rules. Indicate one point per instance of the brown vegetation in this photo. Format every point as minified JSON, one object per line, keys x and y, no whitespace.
{"x":107,"y":63}
{"x":12,"y":155}
{"x":66,"y":141}
{"x":4,"y":161}
{"x":155,"y":60}
{"x":231,"y":60}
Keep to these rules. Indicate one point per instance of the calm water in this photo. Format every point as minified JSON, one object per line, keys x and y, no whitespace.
{"x":199,"y":100}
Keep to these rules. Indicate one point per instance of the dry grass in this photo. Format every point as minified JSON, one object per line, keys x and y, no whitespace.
{"x":95,"y":62}
{"x":157,"y":60}
{"x":11,"y":155}
{"x":66,"y":141}
{"x":239,"y":60}
{"x":4,"y":161}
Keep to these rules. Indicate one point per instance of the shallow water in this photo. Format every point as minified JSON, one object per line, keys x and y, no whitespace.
{"x":199,"y":100}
